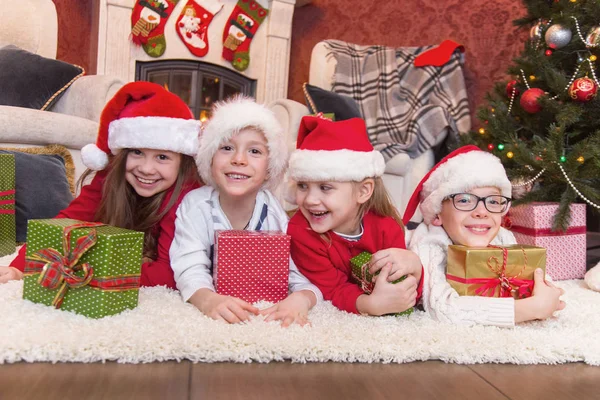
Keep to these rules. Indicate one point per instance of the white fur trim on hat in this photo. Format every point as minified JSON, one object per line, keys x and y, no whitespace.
{"x":460,"y":174}
{"x":94,"y":158}
{"x":159,"y":133}
{"x":337,"y":165}
{"x":228,"y":119}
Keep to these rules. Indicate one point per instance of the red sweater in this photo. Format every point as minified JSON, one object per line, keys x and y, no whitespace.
{"x":84,"y":208}
{"x":327,"y":265}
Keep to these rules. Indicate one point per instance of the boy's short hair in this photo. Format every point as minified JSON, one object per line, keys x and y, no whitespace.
{"x":462,"y":170}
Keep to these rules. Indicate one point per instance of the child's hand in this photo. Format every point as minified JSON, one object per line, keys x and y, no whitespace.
{"x":292,"y":309}
{"x":547,"y":296}
{"x":402,"y":262}
{"x":544,"y":301}
{"x":10,"y":274}
{"x":220,"y":307}
{"x":388,"y":298}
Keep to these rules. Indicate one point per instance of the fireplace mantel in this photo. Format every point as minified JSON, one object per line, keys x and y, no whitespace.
{"x":269,"y":51}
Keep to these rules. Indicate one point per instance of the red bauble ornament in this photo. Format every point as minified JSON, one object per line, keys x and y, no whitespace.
{"x":490,"y":147}
{"x":509,"y":89}
{"x":583,"y":90}
{"x":548,"y":52}
{"x":529,"y":100}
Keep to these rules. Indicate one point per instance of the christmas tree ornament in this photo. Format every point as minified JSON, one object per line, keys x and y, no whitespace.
{"x":490,"y":147}
{"x":510,"y":86}
{"x":510,"y":154}
{"x":563,"y":159}
{"x":500,"y":146}
{"x":192,"y":24}
{"x":244,"y":21}
{"x":580,"y":159}
{"x":529,"y":100}
{"x":535,"y":33}
{"x":593,"y":58}
{"x":532,"y":77}
{"x":520,"y":187}
{"x":593,"y":37}
{"x":558,"y":36}
{"x":148,"y":19}
{"x":583,"y":90}
{"x":481,"y":131}
{"x":548,"y":52}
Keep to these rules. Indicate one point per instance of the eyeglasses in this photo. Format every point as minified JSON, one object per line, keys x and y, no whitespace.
{"x":468,"y":202}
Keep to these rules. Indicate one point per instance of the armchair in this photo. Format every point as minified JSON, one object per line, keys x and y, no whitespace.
{"x":402,"y":173}
{"x":73,"y":120}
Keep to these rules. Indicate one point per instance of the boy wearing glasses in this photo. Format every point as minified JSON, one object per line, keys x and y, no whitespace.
{"x":463,"y":199}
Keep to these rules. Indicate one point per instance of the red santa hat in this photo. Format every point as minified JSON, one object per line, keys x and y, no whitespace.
{"x":334,"y":151}
{"x":142,"y":115}
{"x":466,"y":168}
{"x":228,"y":119}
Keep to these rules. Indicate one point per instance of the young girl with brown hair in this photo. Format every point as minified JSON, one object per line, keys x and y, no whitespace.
{"x":144,"y":161}
{"x":344,"y":210}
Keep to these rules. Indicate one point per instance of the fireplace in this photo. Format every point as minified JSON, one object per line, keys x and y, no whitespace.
{"x":199,"y":84}
{"x":266,"y":78}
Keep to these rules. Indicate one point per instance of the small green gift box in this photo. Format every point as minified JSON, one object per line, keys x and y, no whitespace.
{"x":360,"y":273}
{"x":88,"y":268}
{"x":8,"y":236}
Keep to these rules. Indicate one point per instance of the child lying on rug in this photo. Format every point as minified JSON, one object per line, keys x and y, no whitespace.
{"x":144,"y":157}
{"x":242,"y":152}
{"x":463,"y":199}
{"x":344,"y":211}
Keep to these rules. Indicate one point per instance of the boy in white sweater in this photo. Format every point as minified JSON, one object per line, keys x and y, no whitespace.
{"x":242,"y":153}
{"x":463,"y":199}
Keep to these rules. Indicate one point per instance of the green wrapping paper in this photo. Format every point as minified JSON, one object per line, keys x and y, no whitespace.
{"x":117,"y":253}
{"x":7,"y":205}
{"x":365,"y":279}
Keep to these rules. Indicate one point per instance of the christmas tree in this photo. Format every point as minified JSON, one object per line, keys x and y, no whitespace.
{"x":544,"y":123}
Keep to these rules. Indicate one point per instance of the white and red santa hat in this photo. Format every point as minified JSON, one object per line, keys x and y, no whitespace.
{"x":466,"y":168}
{"x":334,"y":151}
{"x":143,"y":115}
{"x":228,"y":119}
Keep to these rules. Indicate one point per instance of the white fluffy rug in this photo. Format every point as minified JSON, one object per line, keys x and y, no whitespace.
{"x":165,"y":328}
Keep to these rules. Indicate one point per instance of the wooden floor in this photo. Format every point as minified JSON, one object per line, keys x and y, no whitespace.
{"x":418,"y":380}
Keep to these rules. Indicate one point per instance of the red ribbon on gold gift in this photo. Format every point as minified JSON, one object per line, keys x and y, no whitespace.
{"x":507,"y":284}
{"x":57,"y":271}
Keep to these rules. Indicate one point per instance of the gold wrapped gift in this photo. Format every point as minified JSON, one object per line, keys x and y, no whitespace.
{"x":494,"y":271}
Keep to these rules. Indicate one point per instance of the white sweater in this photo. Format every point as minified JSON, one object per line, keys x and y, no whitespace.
{"x":440,"y":300}
{"x":198,"y":216}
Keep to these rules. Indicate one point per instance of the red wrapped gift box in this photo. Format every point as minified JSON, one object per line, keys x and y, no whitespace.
{"x":252,"y":265}
{"x":532,"y":224}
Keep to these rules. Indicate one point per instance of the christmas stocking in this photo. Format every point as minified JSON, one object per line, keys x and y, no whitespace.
{"x":148,"y":20}
{"x":192,"y":25}
{"x":244,"y":21}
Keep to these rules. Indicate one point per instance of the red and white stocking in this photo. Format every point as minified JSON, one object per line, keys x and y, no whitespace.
{"x":244,"y":21}
{"x":148,"y":20}
{"x":192,"y":25}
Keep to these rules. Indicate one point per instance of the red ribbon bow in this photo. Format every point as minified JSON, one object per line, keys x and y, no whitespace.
{"x":58,"y":271}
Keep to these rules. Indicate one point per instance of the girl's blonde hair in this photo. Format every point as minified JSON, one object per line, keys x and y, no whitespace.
{"x":121,"y":206}
{"x":380,"y":202}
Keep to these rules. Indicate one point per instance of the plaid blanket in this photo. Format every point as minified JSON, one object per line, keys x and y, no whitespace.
{"x":406,"y":109}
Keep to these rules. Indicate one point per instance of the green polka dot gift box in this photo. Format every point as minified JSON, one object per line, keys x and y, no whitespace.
{"x":88,"y":268}
{"x":366,"y":281}
{"x":7,"y":204}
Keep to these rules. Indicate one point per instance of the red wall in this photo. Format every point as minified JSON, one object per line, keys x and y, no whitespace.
{"x":483,"y":27}
{"x":78,"y":32}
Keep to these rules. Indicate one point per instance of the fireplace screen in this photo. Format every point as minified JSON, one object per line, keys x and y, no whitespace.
{"x":199,"y":84}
